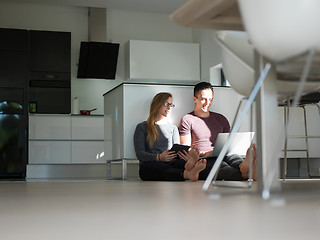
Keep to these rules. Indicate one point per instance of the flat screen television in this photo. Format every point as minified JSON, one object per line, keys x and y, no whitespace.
{"x":98,"y":60}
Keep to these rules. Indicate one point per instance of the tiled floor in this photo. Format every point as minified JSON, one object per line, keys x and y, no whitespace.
{"x":99,"y":209}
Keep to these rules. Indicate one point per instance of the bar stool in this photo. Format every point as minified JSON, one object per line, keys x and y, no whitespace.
{"x":308,"y":99}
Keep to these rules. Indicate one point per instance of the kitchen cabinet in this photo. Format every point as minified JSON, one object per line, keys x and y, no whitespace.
{"x":36,"y":66}
{"x":13,"y":58}
{"x":66,"y":139}
{"x":49,"y":152}
{"x":49,"y":139}
{"x":50,"y":71}
{"x":13,"y":102}
{"x":49,"y":127}
{"x":162,"y":62}
{"x":87,"y":139}
{"x":86,"y":128}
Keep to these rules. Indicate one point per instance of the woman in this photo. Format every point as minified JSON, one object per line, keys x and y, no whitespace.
{"x":153,"y":139}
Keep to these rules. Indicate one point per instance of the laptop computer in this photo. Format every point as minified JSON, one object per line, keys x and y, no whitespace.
{"x":240,"y":143}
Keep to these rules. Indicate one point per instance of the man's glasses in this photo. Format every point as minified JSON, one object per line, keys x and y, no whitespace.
{"x":170,"y":105}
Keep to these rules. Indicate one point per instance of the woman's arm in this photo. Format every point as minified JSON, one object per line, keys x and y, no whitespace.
{"x":140,"y":144}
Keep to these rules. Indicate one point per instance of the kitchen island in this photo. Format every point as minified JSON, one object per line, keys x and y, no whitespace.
{"x":128,"y":104}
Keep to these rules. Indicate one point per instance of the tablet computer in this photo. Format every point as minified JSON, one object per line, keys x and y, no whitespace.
{"x":179,"y":148}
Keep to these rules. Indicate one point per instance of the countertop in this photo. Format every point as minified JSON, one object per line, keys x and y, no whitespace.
{"x":155,"y":84}
{"x":65,"y":114}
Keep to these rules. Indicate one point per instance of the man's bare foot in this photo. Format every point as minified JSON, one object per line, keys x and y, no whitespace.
{"x":193,"y":175}
{"x":254,"y":172}
{"x":193,"y":156}
{"x":245,"y":165}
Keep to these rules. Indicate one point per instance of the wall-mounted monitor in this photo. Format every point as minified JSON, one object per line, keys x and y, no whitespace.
{"x":98,"y":60}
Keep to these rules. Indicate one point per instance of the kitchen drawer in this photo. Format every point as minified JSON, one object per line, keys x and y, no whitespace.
{"x":49,"y":152}
{"x":87,"y":152}
{"x":87,"y":127}
{"x":46,"y":127}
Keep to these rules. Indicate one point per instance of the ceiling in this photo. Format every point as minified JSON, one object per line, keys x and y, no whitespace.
{"x":158,"y":6}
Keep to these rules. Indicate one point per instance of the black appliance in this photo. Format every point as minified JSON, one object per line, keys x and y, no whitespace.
{"x":13,"y":101}
{"x":52,"y":99}
{"x":13,"y":140}
{"x":98,"y":60}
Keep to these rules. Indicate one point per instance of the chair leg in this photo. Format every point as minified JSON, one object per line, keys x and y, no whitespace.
{"x":285,"y":157}
{"x":237,"y":112}
{"x":303,"y":78}
{"x":236,"y":127}
{"x":306,"y":138}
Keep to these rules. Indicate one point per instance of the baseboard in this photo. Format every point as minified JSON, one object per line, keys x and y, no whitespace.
{"x":75,"y":171}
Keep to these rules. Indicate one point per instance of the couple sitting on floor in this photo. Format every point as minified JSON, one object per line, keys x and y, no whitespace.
{"x":199,"y":129}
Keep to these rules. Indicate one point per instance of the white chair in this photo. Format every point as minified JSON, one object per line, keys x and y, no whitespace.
{"x":281,"y":30}
{"x":238,"y":66}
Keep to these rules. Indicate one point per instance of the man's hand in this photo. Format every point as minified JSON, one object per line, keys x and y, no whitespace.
{"x":206,"y":154}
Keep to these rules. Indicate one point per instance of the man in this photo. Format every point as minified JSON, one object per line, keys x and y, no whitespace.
{"x":201,"y":127}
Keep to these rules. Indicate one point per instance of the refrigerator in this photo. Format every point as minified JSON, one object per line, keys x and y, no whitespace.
{"x":13,"y":141}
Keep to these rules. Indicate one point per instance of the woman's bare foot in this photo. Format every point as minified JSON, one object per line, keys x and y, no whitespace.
{"x":193,"y":175}
{"x":193,"y":156}
{"x":245,"y":165}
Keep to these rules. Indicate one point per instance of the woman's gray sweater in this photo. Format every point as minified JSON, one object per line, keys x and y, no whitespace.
{"x":168,"y":135}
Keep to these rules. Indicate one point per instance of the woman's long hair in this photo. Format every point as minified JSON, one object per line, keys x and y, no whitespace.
{"x":157,"y":102}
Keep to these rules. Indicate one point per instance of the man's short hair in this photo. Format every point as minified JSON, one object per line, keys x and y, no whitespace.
{"x":201,"y":86}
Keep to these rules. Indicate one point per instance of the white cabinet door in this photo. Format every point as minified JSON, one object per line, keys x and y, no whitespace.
{"x":162,"y":62}
{"x":87,"y":152}
{"x":87,"y":139}
{"x":49,"y":127}
{"x":49,"y":152}
{"x":87,"y":127}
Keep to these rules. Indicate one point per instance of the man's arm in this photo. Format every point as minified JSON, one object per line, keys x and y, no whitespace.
{"x":185,"y":139}
{"x":184,"y":131}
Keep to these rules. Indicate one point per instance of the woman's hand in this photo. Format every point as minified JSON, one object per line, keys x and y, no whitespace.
{"x":167,"y":156}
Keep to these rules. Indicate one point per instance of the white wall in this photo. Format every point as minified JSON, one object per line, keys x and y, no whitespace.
{"x":121,"y":27}
{"x":210,"y":53}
